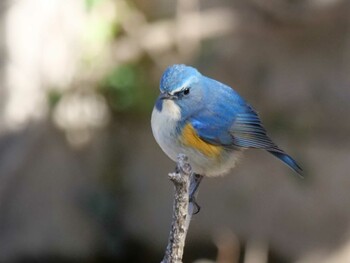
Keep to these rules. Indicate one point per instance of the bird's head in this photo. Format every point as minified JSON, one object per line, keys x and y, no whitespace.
{"x":181,"y":85}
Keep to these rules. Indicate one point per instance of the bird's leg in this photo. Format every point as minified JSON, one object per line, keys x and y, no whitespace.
{"x":195,"y":182}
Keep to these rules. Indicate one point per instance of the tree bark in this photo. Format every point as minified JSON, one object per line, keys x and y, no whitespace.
{"x":182,"y":178}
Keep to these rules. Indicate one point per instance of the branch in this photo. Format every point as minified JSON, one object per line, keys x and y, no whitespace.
{"x":183,"y":180}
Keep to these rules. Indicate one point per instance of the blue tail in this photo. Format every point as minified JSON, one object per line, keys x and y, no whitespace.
{"x":288,"y":161}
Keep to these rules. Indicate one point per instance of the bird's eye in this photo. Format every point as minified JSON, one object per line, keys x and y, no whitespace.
{"x":186,"y":91}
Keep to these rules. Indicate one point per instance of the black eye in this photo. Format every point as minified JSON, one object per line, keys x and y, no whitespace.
{"x":186,"y":91}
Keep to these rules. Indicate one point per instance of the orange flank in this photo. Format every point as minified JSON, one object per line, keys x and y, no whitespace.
{"x":190,"y":138}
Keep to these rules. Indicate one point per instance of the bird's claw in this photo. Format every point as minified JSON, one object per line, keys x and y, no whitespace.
{"x":195,"y":204}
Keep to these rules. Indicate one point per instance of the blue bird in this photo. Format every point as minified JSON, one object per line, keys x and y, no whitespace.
{"x":209,"y":122}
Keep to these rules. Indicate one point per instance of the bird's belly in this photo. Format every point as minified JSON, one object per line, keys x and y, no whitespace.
{"x":164,"y":127}
{"x":212,"y":166}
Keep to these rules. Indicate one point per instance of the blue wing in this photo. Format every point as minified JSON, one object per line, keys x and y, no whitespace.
{"x":237,"y":126}
{"x":248,"y":132}
{"x":213,"y":123}
{"x":234,"y":123}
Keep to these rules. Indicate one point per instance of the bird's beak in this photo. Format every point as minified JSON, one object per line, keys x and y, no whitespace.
{"x":167,"y":96}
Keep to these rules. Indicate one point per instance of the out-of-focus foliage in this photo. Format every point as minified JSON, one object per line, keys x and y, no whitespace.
{"x":101,"y":30}
{"x":127,"y":89}
{"x":92,"y":3}
{"x":53,"y":97}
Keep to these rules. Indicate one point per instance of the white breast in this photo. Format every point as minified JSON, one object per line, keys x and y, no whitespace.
{"x":164,"y":125}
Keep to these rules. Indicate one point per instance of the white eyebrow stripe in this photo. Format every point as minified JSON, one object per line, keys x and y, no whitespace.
{"x":183,"y":86}
{"x":177,"y":90}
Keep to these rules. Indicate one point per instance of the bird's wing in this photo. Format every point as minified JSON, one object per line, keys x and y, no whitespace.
{"x":228,"y":120}
{"x":248,"y":132}
{"x":235,"y":126}
{"x":245,"y":131}
{"x":212,"y":130}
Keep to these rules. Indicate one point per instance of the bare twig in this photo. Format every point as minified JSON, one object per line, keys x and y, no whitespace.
{"x":183,"y":179}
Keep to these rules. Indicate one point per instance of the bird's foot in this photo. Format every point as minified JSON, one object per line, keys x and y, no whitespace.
{"x":196,"y":206}
{"x":195,"y":182}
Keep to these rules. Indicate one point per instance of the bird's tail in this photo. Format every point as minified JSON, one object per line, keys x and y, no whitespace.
{"x":288,"y":161}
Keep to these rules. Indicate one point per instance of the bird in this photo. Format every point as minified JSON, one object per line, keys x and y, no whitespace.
{"x":209,"y":122}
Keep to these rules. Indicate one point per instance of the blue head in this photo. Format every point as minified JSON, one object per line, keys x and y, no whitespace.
{"x":182,"y":85}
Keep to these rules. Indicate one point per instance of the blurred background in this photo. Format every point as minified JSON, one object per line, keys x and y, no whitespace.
{"x":81,"y":177}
